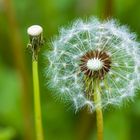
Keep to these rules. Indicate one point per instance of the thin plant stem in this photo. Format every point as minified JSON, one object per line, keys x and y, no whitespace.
{"x":84,"y":127}
{"x":99,"y":115}
{"x":37,"y":107}
{"x":17,"y":45}
{"x":108,"y":9}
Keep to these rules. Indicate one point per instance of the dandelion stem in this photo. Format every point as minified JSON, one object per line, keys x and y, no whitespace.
{"x":99,"y":115}
{"x":37,"y":107}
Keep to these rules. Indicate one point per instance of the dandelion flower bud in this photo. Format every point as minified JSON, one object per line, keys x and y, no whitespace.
{"x":93,"y":50}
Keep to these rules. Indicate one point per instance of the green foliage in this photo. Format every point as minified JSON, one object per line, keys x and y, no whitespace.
{"x":7,"y":133}
{"x":10,"y":103}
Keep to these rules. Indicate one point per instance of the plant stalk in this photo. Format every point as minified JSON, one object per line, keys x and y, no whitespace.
{"x":99,"y":115}
{"x":37,"y":106}
{"x":17,"y":46}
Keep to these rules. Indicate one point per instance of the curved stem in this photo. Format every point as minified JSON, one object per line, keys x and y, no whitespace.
{"x":37,"y":107}
{"x":99,"y":115}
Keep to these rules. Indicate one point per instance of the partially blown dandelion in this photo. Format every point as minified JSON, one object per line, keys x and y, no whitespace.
{"x":94,"y":52}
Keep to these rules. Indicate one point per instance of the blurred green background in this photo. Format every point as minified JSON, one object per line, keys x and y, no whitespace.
{"x":16,"y":96}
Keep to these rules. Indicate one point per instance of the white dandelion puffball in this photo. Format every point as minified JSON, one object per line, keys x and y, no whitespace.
{"x":93,"y":50}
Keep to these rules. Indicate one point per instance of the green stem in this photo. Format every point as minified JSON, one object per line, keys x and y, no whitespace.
{"x":99,"y":115}
{"x":37,"y":107}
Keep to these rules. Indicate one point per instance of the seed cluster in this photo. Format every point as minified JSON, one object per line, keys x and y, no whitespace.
{"x":99,"y":55}
{"x":94,"y":56}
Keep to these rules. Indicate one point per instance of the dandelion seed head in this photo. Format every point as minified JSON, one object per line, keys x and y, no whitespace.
{"x":94,"y":49}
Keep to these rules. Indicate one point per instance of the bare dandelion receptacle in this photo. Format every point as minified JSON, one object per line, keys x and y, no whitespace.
{"x":36,"y":39}
{"x":35,"y":33}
